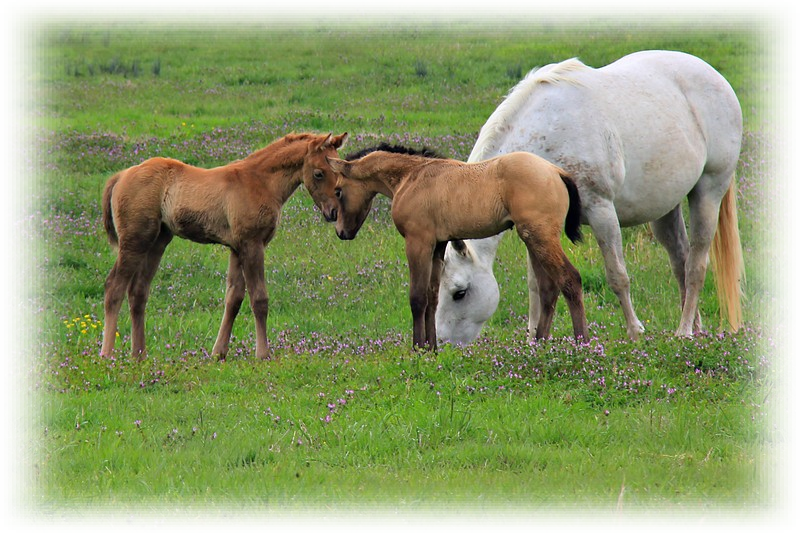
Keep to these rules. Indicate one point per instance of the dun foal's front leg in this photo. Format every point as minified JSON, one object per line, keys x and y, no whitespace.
{"x":420,"y":264}
{"x":433,"y":294}
{"x":234,"y":296}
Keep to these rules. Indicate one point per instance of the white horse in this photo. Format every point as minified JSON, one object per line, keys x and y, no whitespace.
{"x":637,"y":136}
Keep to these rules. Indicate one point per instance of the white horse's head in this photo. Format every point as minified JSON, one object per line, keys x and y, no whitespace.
{"x":468,"y":292}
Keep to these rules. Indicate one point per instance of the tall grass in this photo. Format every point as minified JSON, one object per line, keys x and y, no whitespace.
{"x":348,"y":413}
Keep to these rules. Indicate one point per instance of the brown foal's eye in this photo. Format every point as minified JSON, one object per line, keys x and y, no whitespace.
{"x":338,"y":193}
{"x":318,"y":174}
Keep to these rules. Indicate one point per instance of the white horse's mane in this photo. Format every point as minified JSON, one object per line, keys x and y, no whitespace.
{"x":516,"y":98}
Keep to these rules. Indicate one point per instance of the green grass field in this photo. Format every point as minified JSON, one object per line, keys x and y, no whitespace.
{"x":349,"y":415}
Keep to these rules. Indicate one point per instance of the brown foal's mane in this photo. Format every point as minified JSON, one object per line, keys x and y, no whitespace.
{"x":286,"y":152}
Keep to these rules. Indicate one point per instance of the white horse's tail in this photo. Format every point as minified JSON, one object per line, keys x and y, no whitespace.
{"x":727,"y":260}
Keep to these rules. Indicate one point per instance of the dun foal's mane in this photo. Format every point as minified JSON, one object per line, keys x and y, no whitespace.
{"x":394,"y":149}
{"x":495,"y":127}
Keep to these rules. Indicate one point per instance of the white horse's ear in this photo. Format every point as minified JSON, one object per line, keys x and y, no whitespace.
{"x":484,"y":250}
{"x":460,"y":247}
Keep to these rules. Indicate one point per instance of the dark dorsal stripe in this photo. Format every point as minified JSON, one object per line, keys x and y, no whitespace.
{"x":395,"y":149}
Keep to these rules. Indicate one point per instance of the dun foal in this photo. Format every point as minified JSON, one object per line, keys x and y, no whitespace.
{"x":437,"y":200}
{"x":237,"y":205}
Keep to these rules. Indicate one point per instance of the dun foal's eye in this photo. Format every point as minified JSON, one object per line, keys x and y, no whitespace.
{"x":338,"y":192}
{"x":459,"y":295}
{"x":318,"y":174}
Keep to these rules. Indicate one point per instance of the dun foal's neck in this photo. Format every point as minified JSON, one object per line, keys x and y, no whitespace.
{"x":385,"y":171}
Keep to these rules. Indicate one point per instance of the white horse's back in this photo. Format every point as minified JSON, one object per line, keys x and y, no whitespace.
{"x":638,"y":136}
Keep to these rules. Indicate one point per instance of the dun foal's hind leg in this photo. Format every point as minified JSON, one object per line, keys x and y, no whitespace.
{"x":546,"y":297}
{"x":251,"y":257}
{"x":139,"y":290}
{"x":234,"y":296}
{"x":605,"y":226}
{"x":546,"y":254}
{"x":670,"y":231}
{"x":534,"y":305}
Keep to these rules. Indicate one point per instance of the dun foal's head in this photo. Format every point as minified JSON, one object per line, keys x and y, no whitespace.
{"x":354,"y":197}
{"x":318,"y":177}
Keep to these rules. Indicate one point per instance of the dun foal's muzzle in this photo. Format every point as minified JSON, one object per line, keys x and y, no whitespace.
{"x":331,"y":216}
{"x":345,"y":235}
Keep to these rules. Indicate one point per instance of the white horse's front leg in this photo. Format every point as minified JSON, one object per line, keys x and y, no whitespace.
{"x":605,"y":226}
{"x":534,"y":306}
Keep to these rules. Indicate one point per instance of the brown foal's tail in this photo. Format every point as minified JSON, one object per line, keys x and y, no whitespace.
{"x":727,"y":260}
{"x":108,"y":220}
{"x":572,"y":225}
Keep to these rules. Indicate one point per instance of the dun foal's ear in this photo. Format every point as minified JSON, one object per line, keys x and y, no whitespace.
{"x":339,"y":165}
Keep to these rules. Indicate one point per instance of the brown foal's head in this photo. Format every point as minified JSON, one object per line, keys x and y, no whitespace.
{"x":318,"y":176}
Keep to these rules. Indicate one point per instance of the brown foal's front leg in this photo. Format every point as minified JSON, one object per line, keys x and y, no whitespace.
{"x":420,"y":259}
{"x":234,"y":296}
{"x":252,"y":261}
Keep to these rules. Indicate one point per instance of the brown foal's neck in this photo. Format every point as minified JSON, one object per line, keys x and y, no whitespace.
{"x":280,"y":164}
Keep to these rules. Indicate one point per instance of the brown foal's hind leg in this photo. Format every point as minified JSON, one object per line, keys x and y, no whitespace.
{"x":252,"y":262}
{"x":139,"y":290}
{"x":234,"y":296}
{"x":117,"y":282}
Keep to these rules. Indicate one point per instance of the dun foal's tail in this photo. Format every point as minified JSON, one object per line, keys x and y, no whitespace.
{"x":572,"y":225}
{"x":108,"y":220}
{"x":727,"y":260}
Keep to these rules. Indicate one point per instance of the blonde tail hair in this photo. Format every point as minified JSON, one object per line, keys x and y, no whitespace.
{"x":727,"y":260}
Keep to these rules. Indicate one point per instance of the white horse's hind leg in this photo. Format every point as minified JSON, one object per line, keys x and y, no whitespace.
{"x":605,"y":226}
{"x":704,"y":213}
{"x":670,"y":231}
{"x":534,"y":306}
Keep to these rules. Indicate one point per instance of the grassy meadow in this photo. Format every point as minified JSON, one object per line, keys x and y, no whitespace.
{"x":348,"y":415}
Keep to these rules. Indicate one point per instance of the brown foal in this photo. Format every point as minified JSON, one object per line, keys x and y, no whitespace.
{"x":237,"y":205}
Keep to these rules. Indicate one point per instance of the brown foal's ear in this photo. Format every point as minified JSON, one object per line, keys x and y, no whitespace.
{"x":339,"y":165}
{"x":332,"y":142}
{"x":321,"y":143}
{"x":338,"y":141}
